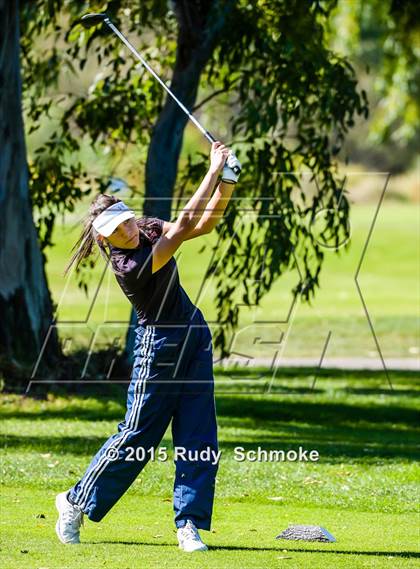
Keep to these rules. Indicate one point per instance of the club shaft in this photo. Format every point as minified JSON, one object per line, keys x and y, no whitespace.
{"x":133,"y":50}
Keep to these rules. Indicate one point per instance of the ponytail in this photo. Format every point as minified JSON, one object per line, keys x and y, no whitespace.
{"x":83,"y":248}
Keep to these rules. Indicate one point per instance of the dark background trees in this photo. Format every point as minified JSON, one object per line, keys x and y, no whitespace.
{"x":25,"y":303}
{"x":291,"y":100}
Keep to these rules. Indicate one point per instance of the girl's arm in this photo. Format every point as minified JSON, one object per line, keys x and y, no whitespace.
{"x":212,"y":214}
{"x":191,"y":214}
{"x":193,"y":210}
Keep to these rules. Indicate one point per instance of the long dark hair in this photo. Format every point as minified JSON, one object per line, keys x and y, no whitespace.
{"x":84,"y":246}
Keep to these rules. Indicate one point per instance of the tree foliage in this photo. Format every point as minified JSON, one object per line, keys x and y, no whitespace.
{"x":292,"y":102}
{"x":383,"y":37}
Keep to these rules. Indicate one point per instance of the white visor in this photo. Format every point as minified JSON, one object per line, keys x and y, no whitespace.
{"x":109,"y":219}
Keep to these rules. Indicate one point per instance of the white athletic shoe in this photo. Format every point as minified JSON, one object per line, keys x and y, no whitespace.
{"x":189,"y":539}
{"x":70,"y":518}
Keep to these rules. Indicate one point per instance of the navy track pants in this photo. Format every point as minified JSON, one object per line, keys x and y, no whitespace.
{"x":172,"y":379}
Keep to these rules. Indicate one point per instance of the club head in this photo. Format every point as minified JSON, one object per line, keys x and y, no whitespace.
{"x":90,"y":20}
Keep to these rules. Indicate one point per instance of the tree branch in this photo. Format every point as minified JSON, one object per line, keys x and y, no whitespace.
{"x":214,"y":94}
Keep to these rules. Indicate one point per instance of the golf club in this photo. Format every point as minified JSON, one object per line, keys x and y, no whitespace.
{"x":90,"y":20}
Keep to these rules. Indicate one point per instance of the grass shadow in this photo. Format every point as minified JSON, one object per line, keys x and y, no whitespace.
{"x":402,"y":554}
{"x":316,"y":412}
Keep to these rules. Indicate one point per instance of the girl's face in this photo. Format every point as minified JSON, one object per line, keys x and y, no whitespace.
{"x":126,"y":235}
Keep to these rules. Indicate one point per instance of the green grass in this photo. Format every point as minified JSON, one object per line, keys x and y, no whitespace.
{"x":388,"y":279}
{"x":363,"y":488}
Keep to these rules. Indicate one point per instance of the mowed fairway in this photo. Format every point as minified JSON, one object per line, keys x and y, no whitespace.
{"x":388,"y":280}
{"x":363,"y":489}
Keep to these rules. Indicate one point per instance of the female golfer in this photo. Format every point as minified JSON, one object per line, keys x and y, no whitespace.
{"x":172,"y":376}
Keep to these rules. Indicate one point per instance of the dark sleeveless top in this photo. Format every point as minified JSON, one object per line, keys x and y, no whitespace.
{"x":157,"y":298}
